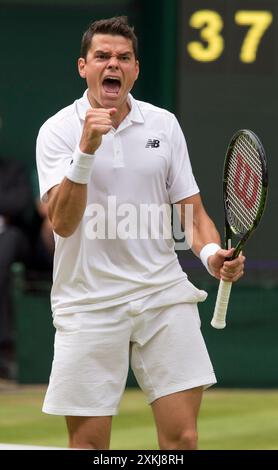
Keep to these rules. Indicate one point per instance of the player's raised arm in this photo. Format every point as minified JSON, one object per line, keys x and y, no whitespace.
{"x":67,"y":201}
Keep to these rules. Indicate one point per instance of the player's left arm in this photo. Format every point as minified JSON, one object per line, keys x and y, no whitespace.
{"x":204,"y":232}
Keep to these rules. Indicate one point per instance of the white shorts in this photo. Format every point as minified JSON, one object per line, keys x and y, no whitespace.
{"x":163,"y":344}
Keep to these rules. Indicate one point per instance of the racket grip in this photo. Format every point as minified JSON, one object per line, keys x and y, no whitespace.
{"x":220,"y":311}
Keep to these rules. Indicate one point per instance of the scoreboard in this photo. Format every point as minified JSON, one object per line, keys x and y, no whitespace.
{"x":229,"y":36}
{"x":228,"y":80}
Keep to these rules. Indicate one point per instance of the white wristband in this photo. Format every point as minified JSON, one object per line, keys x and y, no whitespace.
{"x":80,"y":168}
{"x":207,"y":251}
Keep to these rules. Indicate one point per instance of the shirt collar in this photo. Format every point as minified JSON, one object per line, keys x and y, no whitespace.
{"x":135,"y":114}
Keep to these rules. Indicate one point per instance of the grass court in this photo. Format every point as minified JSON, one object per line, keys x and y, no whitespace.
{"x":229,"y":419}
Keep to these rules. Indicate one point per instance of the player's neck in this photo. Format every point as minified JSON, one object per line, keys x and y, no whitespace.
{"x":120,"y":115}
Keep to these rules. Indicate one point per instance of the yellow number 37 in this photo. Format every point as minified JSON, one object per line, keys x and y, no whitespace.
{"x":211,"y":25}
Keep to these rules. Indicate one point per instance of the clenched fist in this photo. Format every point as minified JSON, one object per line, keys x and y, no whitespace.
{"x":97,"y":123}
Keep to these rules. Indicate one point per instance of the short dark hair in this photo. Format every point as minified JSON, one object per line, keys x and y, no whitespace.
{"x":115,"y":26}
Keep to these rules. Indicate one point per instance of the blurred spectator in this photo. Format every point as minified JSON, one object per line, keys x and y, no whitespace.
{"x":15,"y":206}
{"x":25,"y":237}
{"x":41,"y":233}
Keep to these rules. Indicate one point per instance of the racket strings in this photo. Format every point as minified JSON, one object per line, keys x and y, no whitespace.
{"x":244,"y":184}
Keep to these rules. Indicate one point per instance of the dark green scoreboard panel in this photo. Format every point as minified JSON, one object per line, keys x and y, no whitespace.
{"x":228,"y":80}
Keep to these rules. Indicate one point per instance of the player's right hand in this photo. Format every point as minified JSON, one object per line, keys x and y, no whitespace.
{"x":98,"y":122}
{"x":229,"y":271}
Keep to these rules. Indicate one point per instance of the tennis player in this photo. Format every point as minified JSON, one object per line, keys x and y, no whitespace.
{"x":119,"y":296}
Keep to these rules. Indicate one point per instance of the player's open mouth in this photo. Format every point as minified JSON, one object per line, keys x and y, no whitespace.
{"x":111,"y":85}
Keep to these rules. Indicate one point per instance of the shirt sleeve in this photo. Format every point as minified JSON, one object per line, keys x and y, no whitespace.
{"x":180,"y":182}
{"x":53,"y":154}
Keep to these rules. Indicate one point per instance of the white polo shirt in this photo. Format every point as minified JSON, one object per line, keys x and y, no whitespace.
{"x":144,"y":162}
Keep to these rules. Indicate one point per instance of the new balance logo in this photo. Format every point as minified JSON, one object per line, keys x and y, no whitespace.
{"x":152,"y":143}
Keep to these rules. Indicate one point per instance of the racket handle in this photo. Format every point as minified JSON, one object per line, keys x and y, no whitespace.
{"x":220,"y":311}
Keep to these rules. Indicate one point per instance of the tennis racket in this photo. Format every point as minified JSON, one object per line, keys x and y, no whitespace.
{"x":245,"y":182}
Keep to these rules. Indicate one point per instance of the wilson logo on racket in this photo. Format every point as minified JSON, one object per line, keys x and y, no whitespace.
{"x":246,"y":183}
